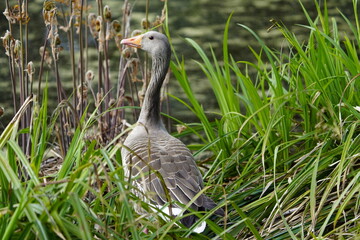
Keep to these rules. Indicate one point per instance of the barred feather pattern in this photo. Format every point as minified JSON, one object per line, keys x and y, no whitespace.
{"x":161,"y":166}
{"x":148,"y":155}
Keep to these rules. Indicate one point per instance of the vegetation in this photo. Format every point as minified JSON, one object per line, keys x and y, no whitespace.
{"x":283,"y":152}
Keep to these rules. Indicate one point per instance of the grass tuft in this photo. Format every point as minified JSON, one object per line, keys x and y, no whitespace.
{"x":282,"y":152}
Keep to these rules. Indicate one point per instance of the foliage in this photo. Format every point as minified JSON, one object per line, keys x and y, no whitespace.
{"x":284,"y":149}
{"x":287,"y":155}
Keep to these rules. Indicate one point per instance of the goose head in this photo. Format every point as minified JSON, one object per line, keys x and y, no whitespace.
{"x":152,"y":42}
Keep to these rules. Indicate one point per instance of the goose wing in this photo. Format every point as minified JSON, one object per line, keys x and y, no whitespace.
{"x":156,"y":162}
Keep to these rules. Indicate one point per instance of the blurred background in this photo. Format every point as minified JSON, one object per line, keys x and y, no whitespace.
{"x":201,"y":20}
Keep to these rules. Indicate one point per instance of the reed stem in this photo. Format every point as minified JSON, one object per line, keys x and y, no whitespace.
{"x":81,"y":60}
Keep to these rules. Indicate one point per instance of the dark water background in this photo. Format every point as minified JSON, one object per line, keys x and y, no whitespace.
{"x":201,"y":20}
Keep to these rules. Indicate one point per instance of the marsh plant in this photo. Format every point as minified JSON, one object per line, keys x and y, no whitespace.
{"x":76,"y":33}
{"x":281,"y":157}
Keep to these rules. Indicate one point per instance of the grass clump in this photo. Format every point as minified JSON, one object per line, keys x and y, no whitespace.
{"x":284,"y":149}
{"x":291,"y":136}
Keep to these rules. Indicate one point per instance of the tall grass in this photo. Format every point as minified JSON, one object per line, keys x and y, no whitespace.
{"x":291,"y":135}
{"x":285,"y":146}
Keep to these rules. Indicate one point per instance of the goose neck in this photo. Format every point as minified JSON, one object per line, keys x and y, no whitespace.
{"x":150,"y":111}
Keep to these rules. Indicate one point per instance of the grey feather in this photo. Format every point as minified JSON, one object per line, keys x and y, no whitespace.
{"x":150,"y":151}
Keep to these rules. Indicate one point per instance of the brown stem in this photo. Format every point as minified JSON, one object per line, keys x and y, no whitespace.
{"x":42,"y":64}
{"x":27,"y":83}
{"x":119,"y":114}
{"x":72,"y":58}
{"x":12,"y":67}
{"x":21,"y":77}
{"x":81,"y":60}
{"x":60,"y":96}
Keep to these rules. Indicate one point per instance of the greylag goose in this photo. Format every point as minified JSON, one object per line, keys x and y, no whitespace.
{"x":158,"y":163}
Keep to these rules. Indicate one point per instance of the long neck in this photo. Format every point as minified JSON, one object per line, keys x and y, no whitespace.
{"x":150,"y":111}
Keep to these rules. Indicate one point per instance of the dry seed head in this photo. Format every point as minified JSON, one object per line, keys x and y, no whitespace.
{"x":47,"y":57}
{"x":55,"y":46}
{"x":49,"y":5}
{"x":180,"y":128}
{"x":136,"y":33}
{"x":89,"y":75}
{"x":12,"y":13}
{"x":98,"y":25}
{"x":127,"y":52}
{"x":17,"y":49}
{"x":111,"y":102}
{"x":57,"y":40}
{"x":99,"y":28}
{"x":7,"y":39}
{"x":77,"y":23}
{"x":145,"y":23}
{"x":16,"y":9}
{"x":16,"y":14}
{"x":93,"y":25}
{"x":134,"y":64}
{"x":107,"y":13}
{"x":118,"y":38}
{"x":98,"y":99}
{"x":49,"y":12}
{"x":24,"y":17}
{"x":84,"y":91}
{"x":112,"y":29}
{"x":116,"y":26}
{"x":30,"y":69}
{"x":82,"y":95}
{"x":158,"y":21}
{"x":8,"y":13}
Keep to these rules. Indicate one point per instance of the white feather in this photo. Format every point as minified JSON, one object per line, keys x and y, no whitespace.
{"x":176,"y":212}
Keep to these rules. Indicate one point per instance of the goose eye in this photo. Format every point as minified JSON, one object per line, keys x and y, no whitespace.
{"x":151,"y":37}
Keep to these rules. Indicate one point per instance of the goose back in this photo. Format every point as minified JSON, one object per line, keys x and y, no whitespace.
{"x":154,"y":160}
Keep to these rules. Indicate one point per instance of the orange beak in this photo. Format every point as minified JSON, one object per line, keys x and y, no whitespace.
{"x":132,"y":42}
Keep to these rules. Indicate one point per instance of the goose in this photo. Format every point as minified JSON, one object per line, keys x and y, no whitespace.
{"x":160,"y":164}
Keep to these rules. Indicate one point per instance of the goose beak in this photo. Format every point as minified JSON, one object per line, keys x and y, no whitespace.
{"x":133,"y":42}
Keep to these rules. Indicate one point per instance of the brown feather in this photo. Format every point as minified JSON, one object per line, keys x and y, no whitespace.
{"x":156,"y":161}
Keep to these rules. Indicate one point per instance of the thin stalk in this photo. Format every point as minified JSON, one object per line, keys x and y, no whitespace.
{"x":86,"y":38}
{"x":8,"y":7}
{"x":72,"y":56}
{"x":12,"y":67}
{"x":81,"y":60}
{"x":100,"y":78}
{"x":28,"y":91}
{"x":125,"y":32}
{"x":146,"y":62}
{"x":100,"y":91}
{"x":21,"y":76}
{"x":121,"y":73}
{"x":62,"y":115}
{"x":21,"y":61}
{"x":26,"y":49}
{"x":13,"y":81}
{"x":22,"y":99}
{"x":42,"y":63}
{"x":105,"y":24}
{"x":168,"y":107}
{"x":107,"y":81}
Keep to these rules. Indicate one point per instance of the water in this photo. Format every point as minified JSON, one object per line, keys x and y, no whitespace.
{"x":204,"y":22}
{"x":201,"y":20}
